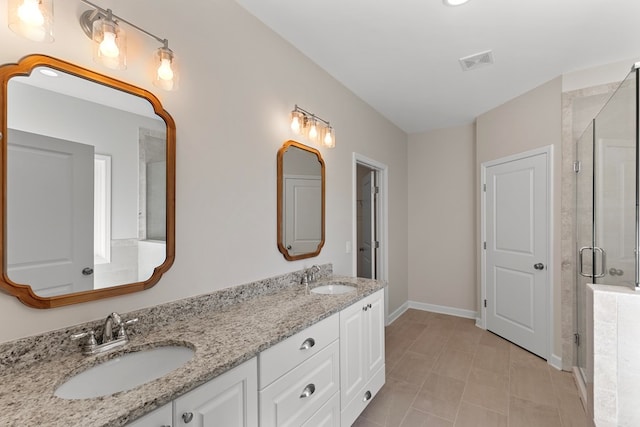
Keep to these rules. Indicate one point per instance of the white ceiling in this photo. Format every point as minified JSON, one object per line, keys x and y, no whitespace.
{"x":401,"y":56}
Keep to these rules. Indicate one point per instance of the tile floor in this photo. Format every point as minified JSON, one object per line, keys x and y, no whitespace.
{"x":444,"y":371}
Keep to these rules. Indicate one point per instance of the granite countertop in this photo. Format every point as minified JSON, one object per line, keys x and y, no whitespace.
{"x":222,"y":339}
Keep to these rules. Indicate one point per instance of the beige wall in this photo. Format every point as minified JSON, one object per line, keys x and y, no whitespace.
{"x":529,"y":121}
{"x":239,"y":81}
{"x":442,"y":264}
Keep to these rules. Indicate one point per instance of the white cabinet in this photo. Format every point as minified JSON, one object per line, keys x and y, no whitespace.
{"x":361,"y":355}
{"x":229,"y":400}
{"x":300,"y":378}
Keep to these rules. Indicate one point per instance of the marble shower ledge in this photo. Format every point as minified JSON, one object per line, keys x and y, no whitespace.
{"x":225,"y":328}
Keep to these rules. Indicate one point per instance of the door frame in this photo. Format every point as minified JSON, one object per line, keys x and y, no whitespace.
{"x":482,"y":322}
{"x":382,"y":215}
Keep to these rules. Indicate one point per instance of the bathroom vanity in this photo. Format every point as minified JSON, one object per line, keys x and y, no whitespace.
{"x":267,"y":353}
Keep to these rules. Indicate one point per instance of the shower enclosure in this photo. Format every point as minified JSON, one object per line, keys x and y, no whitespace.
{"x":606,"y":179}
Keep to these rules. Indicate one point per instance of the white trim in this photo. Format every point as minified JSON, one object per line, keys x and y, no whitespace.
{"x":442,"y":309}
{"x":383,"y":221}
{"x":548,"y":150}
{"x":102,"y":209}
{"x":397,"y":313}
{"x":480,"y":322}
{"x":555,"y":361}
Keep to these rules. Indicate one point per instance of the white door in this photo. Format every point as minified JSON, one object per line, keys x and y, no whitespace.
{"x":517,"y":230}
{"x":367,"y":247}
{"x":303,"y":213}
{"x":49,"y":248}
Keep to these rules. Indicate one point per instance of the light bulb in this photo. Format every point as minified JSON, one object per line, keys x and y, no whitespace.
{"x":29,"y":12}
{"x":295,"y":124}
{"x":328,"y":140}
{"x":108,"y":46}
{"x":313,"y":130}
{"x":164,"y":70}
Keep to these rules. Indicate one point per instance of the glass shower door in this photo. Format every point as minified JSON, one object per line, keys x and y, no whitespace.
{"x":606,"y":203}
{"x":615,"y":186}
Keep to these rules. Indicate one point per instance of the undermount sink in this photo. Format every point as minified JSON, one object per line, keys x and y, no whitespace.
{"x":124,"y":372}
{"x":333,"y":289}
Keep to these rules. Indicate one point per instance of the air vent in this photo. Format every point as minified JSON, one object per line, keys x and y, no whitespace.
{"x":476,"y":60}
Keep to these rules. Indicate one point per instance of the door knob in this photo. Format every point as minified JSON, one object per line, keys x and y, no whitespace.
{"x":539,"y":266}
{"x":87,"y":271}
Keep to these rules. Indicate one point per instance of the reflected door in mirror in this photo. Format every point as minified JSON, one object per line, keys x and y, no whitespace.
{"x":50,"y":213}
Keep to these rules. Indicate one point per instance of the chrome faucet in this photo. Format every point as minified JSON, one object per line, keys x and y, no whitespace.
{"x":113,"y":321}
{"x":112,"y":324}
{"x":309,"y":275}
{"x":312,"y":273}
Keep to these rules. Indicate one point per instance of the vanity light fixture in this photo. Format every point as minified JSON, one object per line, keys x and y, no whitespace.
{"x":32,"y":19}
{"x":454,"y":2}
{"x":103,"y":27}
{"x":313,"y":127}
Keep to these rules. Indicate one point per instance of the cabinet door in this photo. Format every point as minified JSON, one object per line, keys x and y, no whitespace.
{"x":374,"y":333}
{"x":161,"y":417}
{"x":352,"y":351}
{"x":230,"y":400}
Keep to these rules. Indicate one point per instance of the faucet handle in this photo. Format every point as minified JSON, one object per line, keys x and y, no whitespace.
{"x":122,"y":333}
{"x":91,"y":341}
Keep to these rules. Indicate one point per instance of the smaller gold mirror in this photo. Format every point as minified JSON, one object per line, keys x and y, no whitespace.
{"x":300,"y":201}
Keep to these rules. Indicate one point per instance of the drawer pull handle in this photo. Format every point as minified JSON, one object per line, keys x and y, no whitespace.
{"x":307,"y":344}
{"x":367,"y":396}
{"x":187,"y":417}
{"x":308,"y":391}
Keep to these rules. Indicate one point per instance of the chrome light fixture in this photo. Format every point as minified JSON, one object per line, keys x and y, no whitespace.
{"x":102,"y":26}
{"x":32,"y":19}
{"x":312,"y":127}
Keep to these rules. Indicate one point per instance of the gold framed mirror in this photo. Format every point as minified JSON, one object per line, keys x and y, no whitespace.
{"x":301,"y":201}
{"x":88,"y":184}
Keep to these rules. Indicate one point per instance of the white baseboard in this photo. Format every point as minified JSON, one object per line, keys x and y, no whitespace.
{"x":459,"y":312}
{"x":555,"y":361}
{"x":397,"y":313}
{"x":480,"y":323}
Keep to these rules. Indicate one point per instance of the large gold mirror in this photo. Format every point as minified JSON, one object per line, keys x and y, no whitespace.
{"x":300,"y":201}
{"x":88,"y":184}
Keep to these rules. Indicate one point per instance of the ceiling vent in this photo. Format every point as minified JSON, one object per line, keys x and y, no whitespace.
{"x":476,"y":60}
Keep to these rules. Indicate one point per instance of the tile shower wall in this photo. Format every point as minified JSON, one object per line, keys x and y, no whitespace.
{"x":613,"y":332}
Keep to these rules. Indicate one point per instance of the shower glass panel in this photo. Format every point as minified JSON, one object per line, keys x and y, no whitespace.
{"x":615,"y":186}
{"x":606,"y":195}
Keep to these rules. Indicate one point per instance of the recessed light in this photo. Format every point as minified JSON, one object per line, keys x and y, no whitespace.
{"x":454,"y":2}
{"x":48,"y":72}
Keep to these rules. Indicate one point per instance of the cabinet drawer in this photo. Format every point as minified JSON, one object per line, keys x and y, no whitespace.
{"x":283,"y":403}
{"x":328,"y":415}
{"x":286,"y":355}
{"x":362,"y":399}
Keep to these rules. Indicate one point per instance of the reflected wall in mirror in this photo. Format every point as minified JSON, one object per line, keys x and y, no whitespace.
{"x":88,"y":175}
{"x":301,"y":183}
